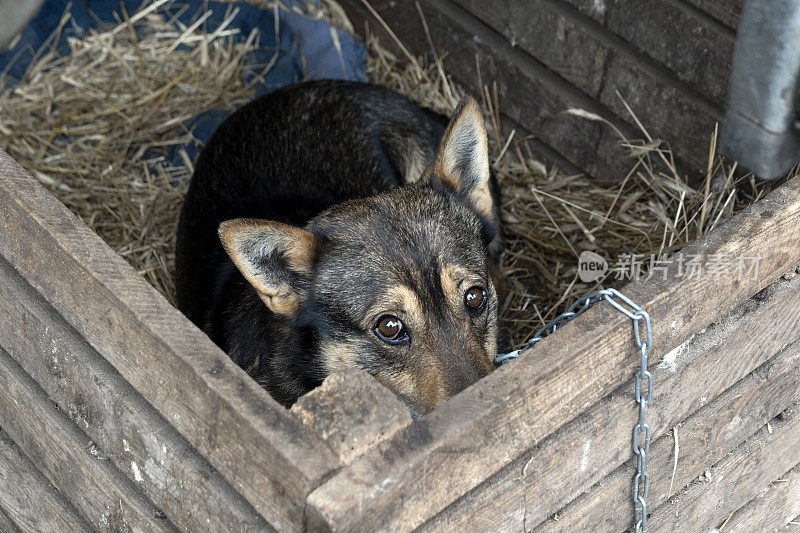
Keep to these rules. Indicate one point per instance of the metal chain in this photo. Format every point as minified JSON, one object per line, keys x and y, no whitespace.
{"x":641,"y":446}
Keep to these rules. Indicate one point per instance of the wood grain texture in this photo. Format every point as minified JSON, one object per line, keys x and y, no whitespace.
{"x":6,"y":526}
{"x":610,"y":68}
{"x":692,"y":45}
{"x":729,"y":12}
{"x":428,"y":465}
{"x":558,"y":41}
{"x":568,"y":463}
{"x":704,"y":438}
{"x":128,"y":430}
{"x":265,"y":454}
{"x":352,"y":412}
{"x":529,"y":93}
{"x":735,"y":480}
{"x":771,"y":509}
{"x":28,"y":502}
{"x":68,"y":458}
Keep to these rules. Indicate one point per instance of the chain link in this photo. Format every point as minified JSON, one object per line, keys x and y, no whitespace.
{"x":643,"y":383}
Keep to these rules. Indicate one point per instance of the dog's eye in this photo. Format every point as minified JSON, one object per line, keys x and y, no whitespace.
{"x":475,"y":298}
{"x":390,"y":329}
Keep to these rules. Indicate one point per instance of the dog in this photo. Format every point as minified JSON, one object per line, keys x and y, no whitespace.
{"x":332,"y":225}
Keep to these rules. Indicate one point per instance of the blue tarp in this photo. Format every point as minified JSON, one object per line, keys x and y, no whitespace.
{"x":306,"y":47}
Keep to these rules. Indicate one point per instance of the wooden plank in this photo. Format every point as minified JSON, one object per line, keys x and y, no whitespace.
{"x":556,"y":40}
{"x":265,"y":454}
{"x":606,"y":66}
{"x":5,"y":523}
{"x":695,"y":47}
{"x":28,"y":502}
{"x":453,"y":449}
{"x":129,"y":431}
{"x":771,"y":509}
{"x":735,"y":480}
{"x":576,"y":39}
{"x":530,"y":93}
{"x":352,"y":412}
{"x":68,"y":458}
{"x":729,"y":12}
{"x":566,"y":464}
{"x":704,"y":438}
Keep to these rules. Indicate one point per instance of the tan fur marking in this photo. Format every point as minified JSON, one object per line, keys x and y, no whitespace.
{"x":337,"y":356}
{"x":451,"y":276}
{"x":399,"y":298}
{"x":285,"y":301}
{"x":481,"y":200}
{"x":401,"y":383}
{"x":410,"y":301}
{"x":297,"y":246}
{"x":301,"y":249}
{"x":425,"y":390}
{"x":456,"y":279}
{"x":433,"y":393}
{"x":491,"y":344}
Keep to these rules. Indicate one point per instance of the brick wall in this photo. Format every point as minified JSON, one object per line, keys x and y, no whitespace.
{"x":669,"y":60}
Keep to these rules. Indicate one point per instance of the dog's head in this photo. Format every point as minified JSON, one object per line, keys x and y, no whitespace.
{"x":398,"y":283}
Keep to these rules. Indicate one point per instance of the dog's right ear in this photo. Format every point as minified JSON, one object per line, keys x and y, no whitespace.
{"x":462,"y":164}
{"x":275,"y":258}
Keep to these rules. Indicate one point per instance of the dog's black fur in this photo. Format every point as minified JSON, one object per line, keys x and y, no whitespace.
{"x":393,"y":224}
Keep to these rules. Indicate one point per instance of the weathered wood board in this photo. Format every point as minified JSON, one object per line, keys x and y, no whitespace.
{"x":669,"y":61}
{"x":611,"y":70}
{"x":124,"y":427}
{"x":703,"y":438}
{"x":688,"y":43}
{"x":212,"y":403}
{"x":428,"y":465}
{"x":774,"y":507}
{"x":530,"y":94}
{"x":68,"y":458}
{"x":138,"y":421}
{"x":352,"y":412}
{"x":541,"y":481}
{"x":729,"y":12}
{"x":28,"y":501}
{"x":734,"y":480}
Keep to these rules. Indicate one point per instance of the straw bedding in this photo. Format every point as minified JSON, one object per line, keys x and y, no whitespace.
{"x":91,"y":125}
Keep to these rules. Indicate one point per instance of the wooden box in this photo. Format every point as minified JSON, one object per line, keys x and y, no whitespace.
{"x":116,"y":413}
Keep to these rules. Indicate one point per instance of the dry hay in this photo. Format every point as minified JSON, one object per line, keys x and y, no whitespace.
{"x":93,"y":127}
{"x":88,"y":124}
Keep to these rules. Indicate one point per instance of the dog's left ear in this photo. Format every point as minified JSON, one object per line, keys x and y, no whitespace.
{"x":462,"y":163}
{"x":277,"y":259}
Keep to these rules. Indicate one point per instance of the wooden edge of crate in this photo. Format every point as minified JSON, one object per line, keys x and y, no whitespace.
{"x":60,"y":451}
{"x":734,"y":480}
{"x":772,"y":508}
{"x":264,"y":452}
{"x":543,"y":480}
{"x":124,"y":428}
{"x":426,"y":466}
{"x":704,"y":438}
{"x":28,"y":502}
{"x":352,"y":412}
